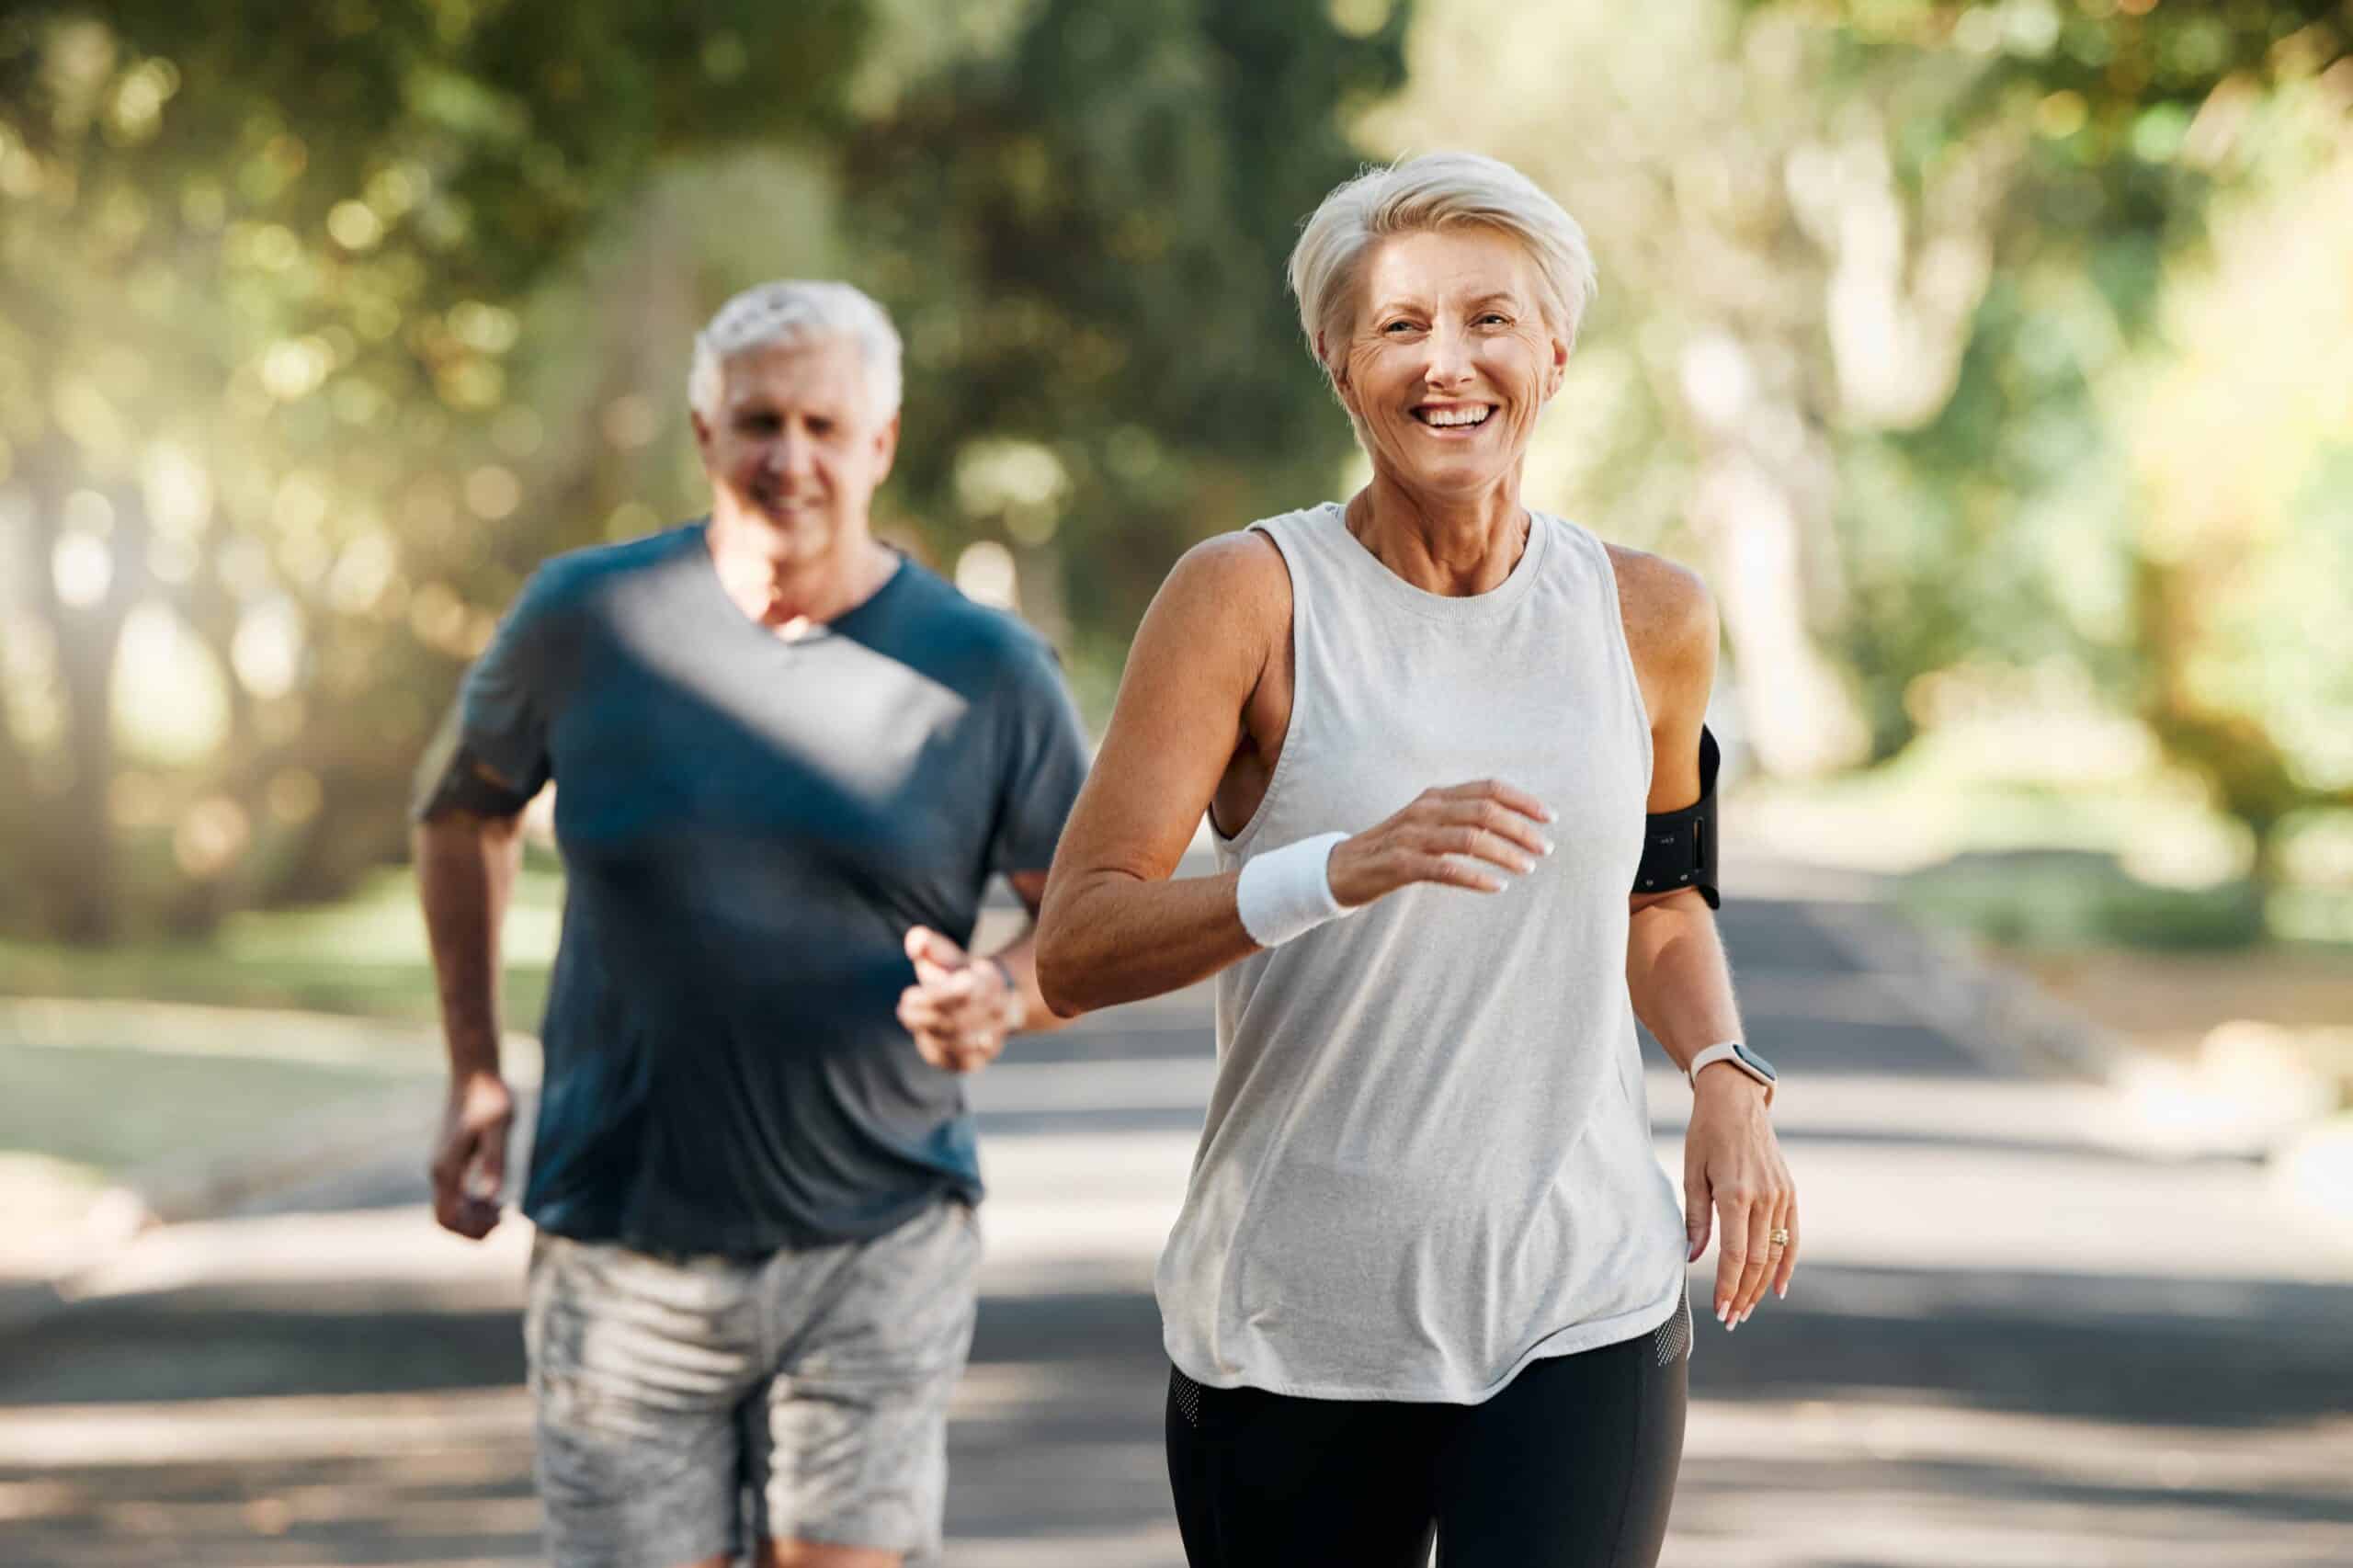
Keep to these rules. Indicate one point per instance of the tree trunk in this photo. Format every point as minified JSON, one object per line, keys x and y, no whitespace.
{"x":74,"y":863}
{"x":1800,"y":720}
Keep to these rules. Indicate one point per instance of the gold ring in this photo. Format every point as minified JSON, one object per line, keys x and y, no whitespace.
{"x":1778,"y":1236}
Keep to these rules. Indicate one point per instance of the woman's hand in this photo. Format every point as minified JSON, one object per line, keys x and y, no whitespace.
{"x":1732,"y":1164}
{"x":960,"y":1009}
{"x":1439,"y":839}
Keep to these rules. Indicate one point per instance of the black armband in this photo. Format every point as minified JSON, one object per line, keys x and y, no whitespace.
{"x":1679,"y":847}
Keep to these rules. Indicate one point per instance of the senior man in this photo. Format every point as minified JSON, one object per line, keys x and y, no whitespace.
{"x":790,"y":758}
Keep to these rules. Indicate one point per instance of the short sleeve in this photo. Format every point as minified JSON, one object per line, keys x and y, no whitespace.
{"x":490,"y":755}
{"x":1045,"y":762}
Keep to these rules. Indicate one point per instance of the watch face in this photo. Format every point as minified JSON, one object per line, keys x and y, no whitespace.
{"x":1753,"y":1063}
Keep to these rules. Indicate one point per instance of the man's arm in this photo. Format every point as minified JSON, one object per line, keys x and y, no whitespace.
{"x":465,"y":871}
{"x":960,"y":1010}
{"x":1020,"y":957}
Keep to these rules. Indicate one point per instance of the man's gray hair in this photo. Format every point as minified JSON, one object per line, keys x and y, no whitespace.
{"x":1436,"y":190}
{"x":792,"y":312}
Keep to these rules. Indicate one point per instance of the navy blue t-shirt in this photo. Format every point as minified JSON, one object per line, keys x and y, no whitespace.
{"x":749,"y":826}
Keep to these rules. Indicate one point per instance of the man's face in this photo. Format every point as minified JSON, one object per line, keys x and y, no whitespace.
{"x":796,"y":449}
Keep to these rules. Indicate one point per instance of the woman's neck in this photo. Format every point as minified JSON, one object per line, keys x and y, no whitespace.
{"x":1454,"y":546}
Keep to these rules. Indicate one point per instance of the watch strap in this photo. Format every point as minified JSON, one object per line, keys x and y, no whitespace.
{"x":1729,"y":1051}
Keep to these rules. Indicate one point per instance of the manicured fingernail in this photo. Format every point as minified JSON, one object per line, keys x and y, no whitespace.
{"x":1548,"y":844}
{"x":1723,"y":1311}
{"x":1781,"y":1292}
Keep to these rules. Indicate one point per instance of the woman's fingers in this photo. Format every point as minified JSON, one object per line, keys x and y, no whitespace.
{"x":1461,"y":836}
{"x":1788,"y":1263}
{"x":1732,"y":1251}
{"x":1500,"y":823}
{"x":1763,"y":1217}
{"x":1455,"y":835}
{"x":1510,"y":796}
{"x":1467,"y":842}
{"x":1453,"y":872}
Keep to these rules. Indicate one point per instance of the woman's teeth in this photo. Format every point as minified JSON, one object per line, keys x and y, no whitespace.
{"x":1447,"y":417}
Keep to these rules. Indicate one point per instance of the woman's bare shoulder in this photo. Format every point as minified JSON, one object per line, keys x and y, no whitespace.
{"x":1670,"y":616}
{"x":1237,"y":580}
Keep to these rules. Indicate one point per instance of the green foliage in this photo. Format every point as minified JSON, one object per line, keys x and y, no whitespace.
{"x":363,"y":957}
{"x":262,"y":284}
{"x":2050,"y":899}
{"x":321,"y":329}
{"x":2051,"y":508}
{"x":1083,"y":235}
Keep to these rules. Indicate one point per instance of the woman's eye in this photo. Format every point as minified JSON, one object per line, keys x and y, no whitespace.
{"x":1398,"y":327}
{"x":1496,"y":318}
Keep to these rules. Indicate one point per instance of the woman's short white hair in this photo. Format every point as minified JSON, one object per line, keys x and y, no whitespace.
{"x":1436,"y":190}
{"x":792,"y":312}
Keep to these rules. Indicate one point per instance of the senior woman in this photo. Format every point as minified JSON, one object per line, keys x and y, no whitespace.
{"x":1429,"y":1279}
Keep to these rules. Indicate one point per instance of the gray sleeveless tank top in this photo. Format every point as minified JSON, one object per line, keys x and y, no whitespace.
{"x":1428,"y":1158}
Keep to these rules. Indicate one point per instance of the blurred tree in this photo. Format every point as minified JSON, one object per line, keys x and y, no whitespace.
{"x":1080,"y":218}
{"x":319,"y":335}
{"x":259,"y":283}
{"x":1701,"y":407}
{"x":1875,"y":276}
{"x":2187,"y":576}
{"x":2240,"y":438}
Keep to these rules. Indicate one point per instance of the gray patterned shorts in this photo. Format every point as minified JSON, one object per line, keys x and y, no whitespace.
{"x":691,"y":1406}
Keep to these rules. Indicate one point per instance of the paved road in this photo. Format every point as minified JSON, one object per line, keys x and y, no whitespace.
{"x":2015,"y":1341}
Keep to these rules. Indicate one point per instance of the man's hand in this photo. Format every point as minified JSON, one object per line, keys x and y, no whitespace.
{"x":469,"y":1161}
{"x":1732,"y":1164}
{"x":959,"y":1009}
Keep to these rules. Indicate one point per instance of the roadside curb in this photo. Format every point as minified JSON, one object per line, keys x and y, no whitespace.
{"x":2001,"y":1017}
{"x":344,"y":1135}
{"x":1998,"y":1015}
{"x":2005,"y":1018}
{"x":177,"y":1192}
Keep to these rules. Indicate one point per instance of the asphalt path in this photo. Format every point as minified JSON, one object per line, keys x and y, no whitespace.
{"x":2017,"y":1337}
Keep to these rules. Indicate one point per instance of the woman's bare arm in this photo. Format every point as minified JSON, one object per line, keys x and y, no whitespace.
{"x":1114,"y":926}
{"x":1676,"y":970}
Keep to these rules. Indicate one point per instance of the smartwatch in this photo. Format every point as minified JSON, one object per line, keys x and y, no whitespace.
{"x":1740,"y":1056}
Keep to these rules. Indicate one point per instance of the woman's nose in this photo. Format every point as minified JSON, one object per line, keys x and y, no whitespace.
{"x":1449,"y":359}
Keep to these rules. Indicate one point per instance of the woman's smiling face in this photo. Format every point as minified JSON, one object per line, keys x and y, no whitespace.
{"x":1449,"y":359}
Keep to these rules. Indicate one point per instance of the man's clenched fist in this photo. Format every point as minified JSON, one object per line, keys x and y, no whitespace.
{"x":959,"y":1009}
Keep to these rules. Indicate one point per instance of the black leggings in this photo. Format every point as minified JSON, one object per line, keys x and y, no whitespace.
{"x":1571,"y":1466}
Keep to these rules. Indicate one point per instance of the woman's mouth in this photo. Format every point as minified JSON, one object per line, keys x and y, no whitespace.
{"x":1454,"y":416}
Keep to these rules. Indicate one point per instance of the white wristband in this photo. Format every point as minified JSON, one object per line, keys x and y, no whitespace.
{"x":1287,"y":892}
